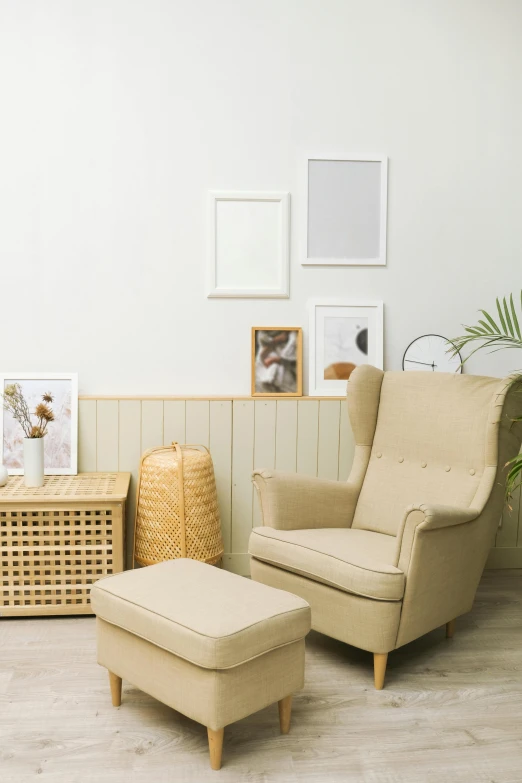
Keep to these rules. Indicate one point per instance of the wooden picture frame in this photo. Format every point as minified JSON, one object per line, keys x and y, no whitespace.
{"x":65,"y":408}
{"x":248,"y":244}
{"x":278,"y":380}
{"x":344,"y":210}
{"x":336,"y":348}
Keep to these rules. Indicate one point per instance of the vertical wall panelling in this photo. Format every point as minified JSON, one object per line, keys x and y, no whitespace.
{"x":264,"y":442}
{"x":129,"y":460}
{"x":242,"y":466}
{"x":197,"y":422}
{"x":328,"y":448}
{"x":173,"y":421}
{"x":312,"y":436}
{"x":286,"y":436}
{"x":151,"y":424}
{"x":87,"y":436}
{"x":307,"y":436}
{"x":346,"y":444}
{"x":107,"y":435}
{"x":221,"y":451}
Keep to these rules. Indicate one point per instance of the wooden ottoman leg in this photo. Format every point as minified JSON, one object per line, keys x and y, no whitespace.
{"x":450,"y":629}
{"x":285,"y":713}
{"x":115,"y":682}
{"x":379,"y":669}
{"x":215,"y":746}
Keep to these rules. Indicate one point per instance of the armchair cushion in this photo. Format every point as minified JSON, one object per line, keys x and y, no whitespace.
{"x":355,"y":561}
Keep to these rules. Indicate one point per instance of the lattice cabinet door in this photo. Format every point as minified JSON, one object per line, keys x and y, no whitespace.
{"x":57,"y":540}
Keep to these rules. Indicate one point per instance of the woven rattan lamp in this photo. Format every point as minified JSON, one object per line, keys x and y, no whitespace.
{"x":177,"y":512}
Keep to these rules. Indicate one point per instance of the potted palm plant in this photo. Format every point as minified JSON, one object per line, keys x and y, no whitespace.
{"x":497,"y":333}
{"x":34,"y":425}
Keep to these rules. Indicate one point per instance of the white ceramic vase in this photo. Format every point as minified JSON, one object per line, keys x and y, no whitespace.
{"x":33,"y":462}
{"x":4,"y":475}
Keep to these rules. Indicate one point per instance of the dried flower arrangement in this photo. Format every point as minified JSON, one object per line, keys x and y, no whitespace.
{"x":15,"y":403}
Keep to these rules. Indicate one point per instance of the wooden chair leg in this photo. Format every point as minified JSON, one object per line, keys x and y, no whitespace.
{"x":215,"y":746}
{"x":115,"y":682}
{"x":379,"y":669}
{"x":285,"y":713}
{"x":450,"y":629}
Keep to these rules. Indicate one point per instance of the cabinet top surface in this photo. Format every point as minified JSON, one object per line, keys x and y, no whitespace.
{"x":83,"y":487}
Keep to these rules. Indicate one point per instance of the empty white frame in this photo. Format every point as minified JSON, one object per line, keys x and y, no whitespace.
{"x":343,"y":335}
{"x":248,"y":253}
{"x":344,"y":219}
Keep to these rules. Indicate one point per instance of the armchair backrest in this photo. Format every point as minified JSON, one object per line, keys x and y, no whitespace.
{"x":427,"y":438}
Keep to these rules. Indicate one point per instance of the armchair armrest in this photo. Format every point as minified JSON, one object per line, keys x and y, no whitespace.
{"x":427,"y":516}
{"x":291,"y":502}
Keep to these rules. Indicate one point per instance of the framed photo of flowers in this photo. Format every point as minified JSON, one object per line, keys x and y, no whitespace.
{"x":343,"y":335}
{"x":277,"y":361}
{"x":38,"y":405}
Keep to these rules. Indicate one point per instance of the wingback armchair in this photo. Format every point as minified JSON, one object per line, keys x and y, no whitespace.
{"x":398,"y":549}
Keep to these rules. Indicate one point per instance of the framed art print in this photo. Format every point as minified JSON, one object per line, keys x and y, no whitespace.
{"x":61,"y":439}
{"x":343,"y":335}
{"x":248,"y":250}
{"x":344,"y":221}
{"x":277,"y":361}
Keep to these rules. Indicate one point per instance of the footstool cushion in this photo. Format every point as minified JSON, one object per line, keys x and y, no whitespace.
{"x":210,"y":644}
{"x":207,"y":616}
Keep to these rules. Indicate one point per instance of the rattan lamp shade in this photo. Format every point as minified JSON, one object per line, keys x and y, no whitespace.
{"x":177,"y":512}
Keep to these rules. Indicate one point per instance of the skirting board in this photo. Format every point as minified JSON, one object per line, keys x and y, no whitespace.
{"x":505,"y":557}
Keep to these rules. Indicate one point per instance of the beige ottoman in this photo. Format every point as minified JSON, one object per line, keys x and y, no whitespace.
{"x":212,"y":645}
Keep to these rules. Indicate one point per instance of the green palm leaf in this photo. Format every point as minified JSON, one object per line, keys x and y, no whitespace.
{"x":490,"y":319}
{"x":486,"y":327}
{"x":514,"y":316}
{"x":508,"y":319}
{"x":499,"y":308}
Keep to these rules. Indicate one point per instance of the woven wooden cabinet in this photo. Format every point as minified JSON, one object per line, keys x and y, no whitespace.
{"x":57,"y":540}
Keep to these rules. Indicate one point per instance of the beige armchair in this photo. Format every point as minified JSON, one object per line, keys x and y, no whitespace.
{"x":398,"y":549}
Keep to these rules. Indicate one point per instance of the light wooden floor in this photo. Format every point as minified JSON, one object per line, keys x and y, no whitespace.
{"x":451,"y":711}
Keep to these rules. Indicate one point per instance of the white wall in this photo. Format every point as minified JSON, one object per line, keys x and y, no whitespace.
{"x":117,"y":116}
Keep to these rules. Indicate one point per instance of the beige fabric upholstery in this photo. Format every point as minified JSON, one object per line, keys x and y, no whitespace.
{"x":213,"y":697}
{"x":427,"y":478}
{"x":290,"y":501}
{"x":370,"y":625}
{"x":427,"y":423}
{"x":215,"y":646}
{"x":192,"y":609}
{"x":357,"y":561}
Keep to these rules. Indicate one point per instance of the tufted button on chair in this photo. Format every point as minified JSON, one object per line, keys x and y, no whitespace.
{"x":395,"y":551}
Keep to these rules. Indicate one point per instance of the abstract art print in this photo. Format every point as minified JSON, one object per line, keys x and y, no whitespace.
{"x":277,"y":361}
{"x":343,"y":335}
{"x":345,"y":346}
{"x":61,"y":439}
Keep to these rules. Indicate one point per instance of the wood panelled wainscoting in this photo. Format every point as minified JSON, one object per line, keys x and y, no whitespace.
{"x":308,"y":435}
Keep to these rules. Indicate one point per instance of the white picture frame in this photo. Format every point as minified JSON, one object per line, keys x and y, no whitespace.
{"x":248,"y":244}
{"x":33,"y":384}
{"x":334,"y":346}
{"x":344,"y":210}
